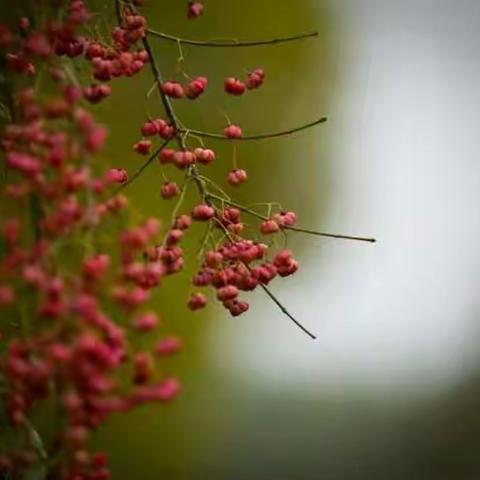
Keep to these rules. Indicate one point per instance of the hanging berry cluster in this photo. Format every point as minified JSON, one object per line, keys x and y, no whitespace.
{"x":73,"y":318}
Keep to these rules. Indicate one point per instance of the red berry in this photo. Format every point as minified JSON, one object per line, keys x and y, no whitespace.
{"x":173,"y":89}
{"x":234,"y":86}
{"x":203,"y":212}
{"x":116,"y":175}
{"x":143,"y":147}
{"x":228,"y":292}
{"x":166,"y":156}
{"x":269,"y":226}
{"x":233,"y":131}
{"x":195,"y":9}
{"x":204,"y":156}
{"x":169,"y":190}
{"x":183,"y":222}
{"x":168,"y":346}
{"x":255,"y":78}
{"x":195,"y":88}
{"x":197,"y":301}
{"x":236,"y":177}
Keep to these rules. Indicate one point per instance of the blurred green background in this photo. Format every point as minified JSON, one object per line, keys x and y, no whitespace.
{"x":391,"y":389}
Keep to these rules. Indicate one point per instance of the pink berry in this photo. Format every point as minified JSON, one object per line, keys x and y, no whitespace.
{"x":228,"y":292}
{"x":166,"y":156}
{"x":146,"y":322}
{"x":143,"y":147}
{"x":197,"y":301}
{"x":183,"y":222}
{"x":195,"y":88}
{"x":204,"y":156}
{"x":233,"y":131}
{"x":269,"y":226}
{"x":195,"y":9}
{"x":255,"y":78}
{"x":168,"y":346}
{"x":173,"y":89}
{"x":169,"y":190}
{"x":116,"y":175}
{"x":237,"y":177}
{"x":234,"y":86}
{"x":203,"y":212}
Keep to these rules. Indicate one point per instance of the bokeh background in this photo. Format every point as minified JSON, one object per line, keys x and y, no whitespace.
{"x":391,"y":388}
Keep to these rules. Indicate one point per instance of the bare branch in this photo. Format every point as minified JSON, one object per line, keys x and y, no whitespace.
{"x":142,"y":168}
{"x":231,"y":43}
{"x":255,"y":137}
{"x":286,"y":312}
{"x":258,"y":215}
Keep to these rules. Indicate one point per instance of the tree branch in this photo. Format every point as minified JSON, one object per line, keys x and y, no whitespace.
{"x":231,"y":43}
{"x":263,"y":136}
{"x":286,"y":312}
{"x":142,"y":168}
{"x":292,"y":228}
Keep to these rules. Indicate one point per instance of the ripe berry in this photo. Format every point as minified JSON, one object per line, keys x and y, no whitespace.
{"x":269,"y":226}
{"x":195,"y":88}
{"x":203,"y":212}
{"x":116,"y":175}
{"x":195,"y":9}
{"x":255,"y":78}
{"x":236,"y":177}
{"x":285,"y":219}
{"x":236,"y":308}
{"x":166,"y":156}
{"x":173,"y":89}
{"x":146,"y":322}
{"x":234,"y":86}
{"x":204,"y":156}
{"x":143,"y":147}
{"x":183,"y":159}
{"x":168,"y":346}
{"x":169,"y":190}
{"x":150,"y":128}
{"x":96,"y":93}
{"x":233,"y":131}
{"x":183,"y":222}
{"x":228,"y":292}
{"x":197,"y":301}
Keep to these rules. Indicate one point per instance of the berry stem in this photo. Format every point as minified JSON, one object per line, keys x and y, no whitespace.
{"x":263,"y":136}
{"x":231,"y":43}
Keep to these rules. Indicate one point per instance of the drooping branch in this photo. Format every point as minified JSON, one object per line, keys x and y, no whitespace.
{"x":286,"y":312}
{"x":258,"y":215}
{"x":262,"y":136}
{"x":231,"y":43}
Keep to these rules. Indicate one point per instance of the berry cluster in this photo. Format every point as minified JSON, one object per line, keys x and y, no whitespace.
{"x":65,"y":347}
{"x":234,"y":86}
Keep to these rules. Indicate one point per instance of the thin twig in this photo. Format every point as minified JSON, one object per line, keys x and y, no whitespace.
{"x":286,"y":312}
{"x":292,"y":228}
{"x":230,"y":43}
{"x":149,"y":161}
{"x":262,"y":136}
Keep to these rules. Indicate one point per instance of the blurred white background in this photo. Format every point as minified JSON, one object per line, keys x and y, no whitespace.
{"x":404,"y":312}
